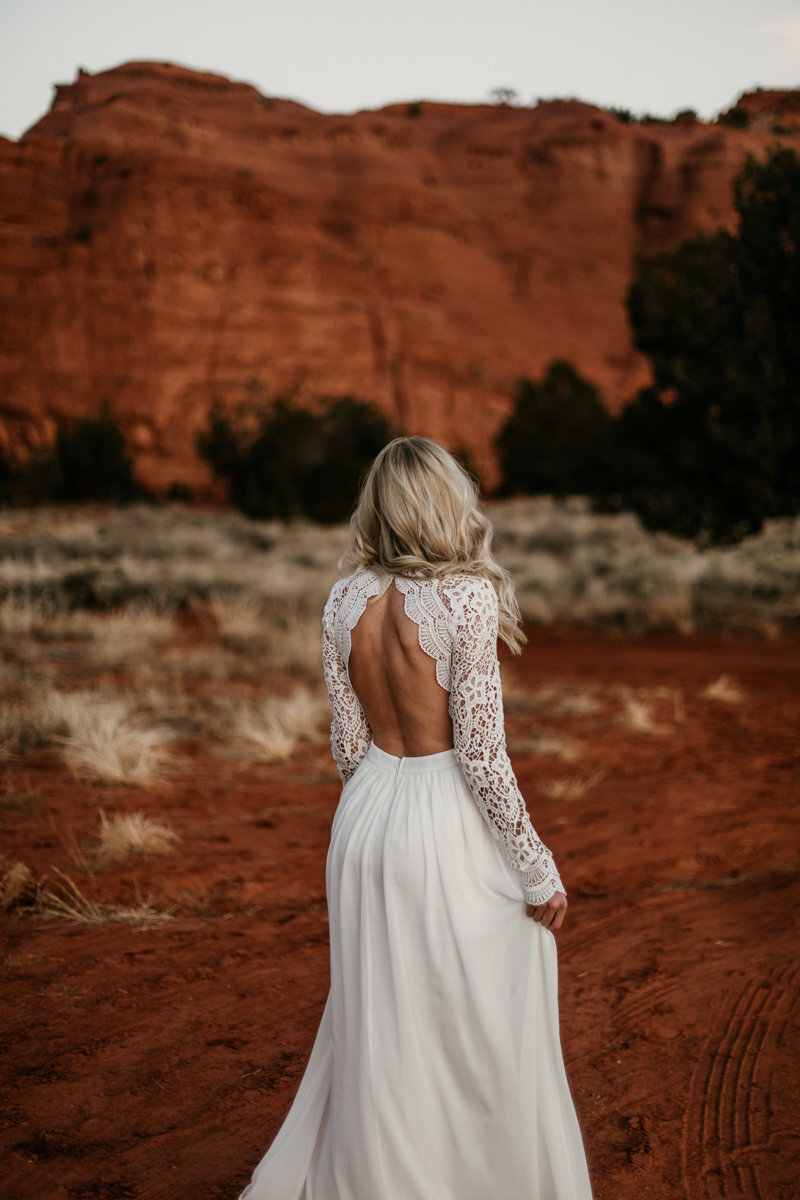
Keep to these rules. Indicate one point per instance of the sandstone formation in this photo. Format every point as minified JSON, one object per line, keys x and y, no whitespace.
{"x":169,"y":238}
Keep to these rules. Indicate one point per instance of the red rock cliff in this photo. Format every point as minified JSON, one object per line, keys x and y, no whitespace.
{"x":169,"y":237}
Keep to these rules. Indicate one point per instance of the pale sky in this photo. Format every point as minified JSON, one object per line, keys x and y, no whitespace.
{"x":343,"y":55}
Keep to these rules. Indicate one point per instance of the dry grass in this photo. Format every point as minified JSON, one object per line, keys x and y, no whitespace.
{"x":554,"y":700}
{"x":241,"y":617}
{"x":13,"y":731}
{"x":270,"y":731}
{"x":258,"y":738}
{"x":19,"y":616}
{"x":637,"y":716}
{"x":127,"y":835}
{"x":19,"y":796}
{"x":555,"y":745}
{"x":571,"y":787}
{"x":68,"y":902}
{"x":725,"y":689}
{"x":575,"y":566}
{"x":16,"y":682}
{"x":15,"y":883}
{"x":100,"y":740}
{"x":294,"y":642}
{"x":126,"y":635}
{"x":570,"y":565}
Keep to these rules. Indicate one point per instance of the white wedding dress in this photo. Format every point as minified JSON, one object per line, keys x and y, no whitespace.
{"x":437,"y":1072}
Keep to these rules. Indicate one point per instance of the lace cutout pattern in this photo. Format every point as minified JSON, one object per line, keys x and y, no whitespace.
{"x":425,"y":607}
{"x":457,"y":618}
{"x":350,"y":731}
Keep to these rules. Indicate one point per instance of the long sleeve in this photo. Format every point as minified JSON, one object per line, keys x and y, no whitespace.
{"x":476,"y":709}
{"x":350,"y":731}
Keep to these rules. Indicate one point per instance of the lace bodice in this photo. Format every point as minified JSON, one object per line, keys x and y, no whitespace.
{"x":456,"y":617}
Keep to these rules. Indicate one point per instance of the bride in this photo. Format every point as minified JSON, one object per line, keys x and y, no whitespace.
{"x":437,"y":1072}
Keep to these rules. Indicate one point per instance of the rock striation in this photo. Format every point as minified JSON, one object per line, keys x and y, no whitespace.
{"x":168,"y":238}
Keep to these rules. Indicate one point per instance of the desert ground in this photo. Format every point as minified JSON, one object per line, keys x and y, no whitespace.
{"x":166,"y":800}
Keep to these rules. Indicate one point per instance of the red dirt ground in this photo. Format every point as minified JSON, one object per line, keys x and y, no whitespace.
{"x":158,"y":1063}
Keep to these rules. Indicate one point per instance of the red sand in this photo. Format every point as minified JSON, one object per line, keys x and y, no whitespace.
{"x":158,"y":1063}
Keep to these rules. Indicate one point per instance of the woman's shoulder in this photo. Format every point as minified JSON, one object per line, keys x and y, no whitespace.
{"x":360,"y":583}
{"x":462,"y":586}
{"x":467,"y":597}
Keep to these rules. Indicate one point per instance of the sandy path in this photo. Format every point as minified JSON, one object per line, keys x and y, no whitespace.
{"x":158,"y":1063}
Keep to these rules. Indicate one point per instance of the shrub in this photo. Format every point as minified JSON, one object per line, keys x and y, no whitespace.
{"x":737,"y":118}
{"x":125,"y":835}
{"x":294,"y":462}
{"x":88,"y":461}
{"x":180,"y":493}
{"x":93,"y":462}
{"x":504,"y":96}
{"x":557,"y":438}
{"x":8,"y":474}
{"x":712,"y":449}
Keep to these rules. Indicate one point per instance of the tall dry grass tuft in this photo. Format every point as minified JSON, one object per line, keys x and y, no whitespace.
{"x":294,"y":642}
{"x":67,"y":901}
{"x":725,"y":689}
{"x":123,"y":636}
{"x":269,"y":732}
{"x":13,"y":731}
{"x":127,"y":835}
{"x":100,"y":740}
{"x":571,"y":788}
{"x":555,"y":745}
{"x":637,"y":716}
{"x":15,"y":883}
{"x":241,"y":617}
{"x":554,"y":700}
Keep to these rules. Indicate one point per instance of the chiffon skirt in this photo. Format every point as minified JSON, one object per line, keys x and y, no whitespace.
{"x":437,"y":1071}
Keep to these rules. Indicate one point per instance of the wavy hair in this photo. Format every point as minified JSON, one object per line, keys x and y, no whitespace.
{"x":418,"y":514}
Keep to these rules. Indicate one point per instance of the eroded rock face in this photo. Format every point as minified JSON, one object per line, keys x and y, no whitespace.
{"x":170,"y":237}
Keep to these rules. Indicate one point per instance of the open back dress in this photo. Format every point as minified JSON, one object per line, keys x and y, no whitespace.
{"x":437,"y":1071}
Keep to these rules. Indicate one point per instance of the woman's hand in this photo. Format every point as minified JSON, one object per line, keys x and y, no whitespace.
{"x":550,"y":914}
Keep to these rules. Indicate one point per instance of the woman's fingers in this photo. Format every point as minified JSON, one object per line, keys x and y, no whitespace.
{"x":550,"y":914}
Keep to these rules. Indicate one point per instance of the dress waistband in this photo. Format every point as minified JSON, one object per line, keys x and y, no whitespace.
{"x":445,"y":760}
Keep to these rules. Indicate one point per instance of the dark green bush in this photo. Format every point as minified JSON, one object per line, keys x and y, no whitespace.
{"x":180,"y":493}
{"x":737,"y":118}
{"x":8,"y":474}
{"x":88,"y":461}
{"x":92,"y":462}
{"x":285,"y":461}
{"x":712,"y":449}
{"x":557,"y":439}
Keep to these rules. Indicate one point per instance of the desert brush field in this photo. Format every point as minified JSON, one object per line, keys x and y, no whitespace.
{"x":166,"y":798}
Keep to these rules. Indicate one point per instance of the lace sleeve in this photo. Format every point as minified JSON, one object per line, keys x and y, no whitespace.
{"x":476,"y":709}
{"x":350,"y":731}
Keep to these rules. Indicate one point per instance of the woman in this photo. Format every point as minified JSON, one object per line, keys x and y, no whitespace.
{"x":437,"y":1072}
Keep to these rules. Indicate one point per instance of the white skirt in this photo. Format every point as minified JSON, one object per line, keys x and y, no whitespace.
{"x":437,"y":1071}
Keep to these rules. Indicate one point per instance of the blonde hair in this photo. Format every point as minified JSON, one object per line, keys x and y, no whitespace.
{"x":418,"y":514}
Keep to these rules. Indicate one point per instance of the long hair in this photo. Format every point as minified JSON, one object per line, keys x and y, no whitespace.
{"x":418,"y":514}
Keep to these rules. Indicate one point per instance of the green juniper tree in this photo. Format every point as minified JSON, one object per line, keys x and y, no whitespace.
{"x":557,"y":438}
{"x":712,"y":449}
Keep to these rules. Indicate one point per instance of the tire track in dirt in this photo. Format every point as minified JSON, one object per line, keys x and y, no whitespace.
{"x":646,"y":999}
{"x":726,"y":1121}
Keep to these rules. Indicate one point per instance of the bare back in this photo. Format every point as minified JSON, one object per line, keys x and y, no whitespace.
{"x":395,"y":681}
